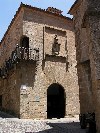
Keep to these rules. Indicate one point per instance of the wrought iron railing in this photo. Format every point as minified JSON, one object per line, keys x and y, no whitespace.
{"x":25,"y":53}
{"x":20,"y":53}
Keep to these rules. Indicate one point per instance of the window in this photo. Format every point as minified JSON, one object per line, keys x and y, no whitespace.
{"x":0,"y":100}
{"x":24,"y":42}
{"x":25,"y":47}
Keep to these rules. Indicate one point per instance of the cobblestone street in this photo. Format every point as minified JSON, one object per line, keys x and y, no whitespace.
{"x":15,"y":125}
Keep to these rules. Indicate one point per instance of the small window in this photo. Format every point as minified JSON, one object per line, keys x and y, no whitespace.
{"x":25,"y":42}
{"x":0,"y":100}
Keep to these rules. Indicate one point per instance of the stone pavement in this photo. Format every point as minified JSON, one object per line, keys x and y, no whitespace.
{"x":15,"y":125}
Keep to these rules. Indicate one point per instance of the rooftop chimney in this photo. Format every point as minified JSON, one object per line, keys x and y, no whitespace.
{"x":54,"y":10}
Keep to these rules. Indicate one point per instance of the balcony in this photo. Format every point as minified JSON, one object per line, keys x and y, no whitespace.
{"x":23,"y":53}
{"x":19,"y":54}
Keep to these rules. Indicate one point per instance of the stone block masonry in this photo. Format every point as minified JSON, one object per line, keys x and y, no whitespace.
{"x":53,"y":36}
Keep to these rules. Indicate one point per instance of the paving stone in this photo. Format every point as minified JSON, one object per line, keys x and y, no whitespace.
{"x":15,"y":125}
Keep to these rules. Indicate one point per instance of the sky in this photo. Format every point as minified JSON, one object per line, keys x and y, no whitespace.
{"x":8,"y":9}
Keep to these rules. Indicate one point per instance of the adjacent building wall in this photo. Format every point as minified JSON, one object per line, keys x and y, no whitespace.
{"x":83,"y":60}
{"x":87,"y":17}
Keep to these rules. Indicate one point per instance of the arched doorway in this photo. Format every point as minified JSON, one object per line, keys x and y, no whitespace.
{"x":55,"y":101}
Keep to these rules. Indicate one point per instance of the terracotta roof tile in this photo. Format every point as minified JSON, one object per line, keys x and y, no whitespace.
{"x":75,"y":3}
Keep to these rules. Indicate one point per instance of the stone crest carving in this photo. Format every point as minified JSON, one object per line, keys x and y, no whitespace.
{"x":55,"y":46}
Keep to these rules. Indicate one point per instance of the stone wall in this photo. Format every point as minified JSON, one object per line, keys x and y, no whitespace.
{"x":26,"y":74}
{"x":87,"y":18}
{"x":34,"y":77}
{"x":12,"y":38}
{"x":82,"y":56}
{"x":41,"y":29}
{"x":9,"y":87}
{"x":10,"y":91}
{"x":93,"y":30}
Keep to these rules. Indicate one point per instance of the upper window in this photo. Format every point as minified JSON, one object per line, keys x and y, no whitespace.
{"x":24,"y":42}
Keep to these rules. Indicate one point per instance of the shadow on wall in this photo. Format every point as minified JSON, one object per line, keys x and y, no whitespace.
{"x":27,"y":72}
{"x":53,"y":58}
{"x":5,"y":115}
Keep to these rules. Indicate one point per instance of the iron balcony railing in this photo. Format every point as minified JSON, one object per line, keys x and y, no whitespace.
{"x":20,"y":53}
{"x":25,"y":53}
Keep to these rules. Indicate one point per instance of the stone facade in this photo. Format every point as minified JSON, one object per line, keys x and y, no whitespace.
{"x":24,"y":89}
{"x":87,"y":33}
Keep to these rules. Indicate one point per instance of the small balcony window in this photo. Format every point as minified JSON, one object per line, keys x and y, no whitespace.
{"x":24,"y":43}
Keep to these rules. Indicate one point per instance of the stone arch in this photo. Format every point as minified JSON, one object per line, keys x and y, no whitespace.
{"x":56,"y":101}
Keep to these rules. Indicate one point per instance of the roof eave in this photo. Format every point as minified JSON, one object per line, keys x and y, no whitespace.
{"x":31,"y":7}
{"x":43,"y":10}
{"x":74,"y":7}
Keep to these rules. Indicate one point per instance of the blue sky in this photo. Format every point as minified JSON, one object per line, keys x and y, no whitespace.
{"x":8,"y":9}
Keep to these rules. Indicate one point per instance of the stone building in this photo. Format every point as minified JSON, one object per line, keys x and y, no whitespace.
{"x":38,"y":77}
{"x":87,"y":35}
